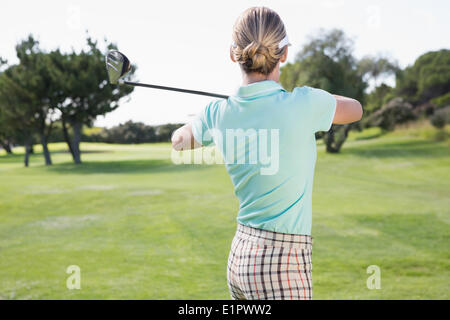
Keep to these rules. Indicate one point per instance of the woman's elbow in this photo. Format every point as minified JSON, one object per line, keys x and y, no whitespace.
{"x":359,"y":111}
{"x":348,"y":111}
{"x":356,"y":111}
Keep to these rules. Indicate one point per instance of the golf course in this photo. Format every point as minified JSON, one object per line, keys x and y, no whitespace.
{"x":140,"y":227}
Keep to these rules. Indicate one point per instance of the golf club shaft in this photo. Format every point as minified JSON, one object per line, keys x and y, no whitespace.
{"x":202,"y":93}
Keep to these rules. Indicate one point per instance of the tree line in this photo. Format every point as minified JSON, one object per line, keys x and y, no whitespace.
{"x":135,"y":132}
{"x":129,"y":133}
{"x":49,"y":87}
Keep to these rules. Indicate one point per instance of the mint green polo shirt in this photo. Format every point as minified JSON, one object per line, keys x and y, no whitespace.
{"x":266,"y":136}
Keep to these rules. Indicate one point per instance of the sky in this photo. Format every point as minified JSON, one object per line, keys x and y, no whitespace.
{"x":186,"y":43}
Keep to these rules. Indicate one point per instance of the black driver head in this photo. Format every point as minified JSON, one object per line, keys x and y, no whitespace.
{"x":117,"y":65}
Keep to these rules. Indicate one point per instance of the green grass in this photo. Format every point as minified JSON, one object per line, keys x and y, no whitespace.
{"x":140,"y":227}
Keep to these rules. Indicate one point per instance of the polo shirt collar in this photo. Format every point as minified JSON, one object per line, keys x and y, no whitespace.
{"x":260,"y":88}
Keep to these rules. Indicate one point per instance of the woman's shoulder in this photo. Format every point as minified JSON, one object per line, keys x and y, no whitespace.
{"x":308,"y":90}
{"x":303,"y":90}
{"x":310,"y":94}
{"x":298,"y":95}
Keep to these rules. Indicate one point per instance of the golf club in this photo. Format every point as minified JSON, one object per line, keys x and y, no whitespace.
{"x":118,"y":65}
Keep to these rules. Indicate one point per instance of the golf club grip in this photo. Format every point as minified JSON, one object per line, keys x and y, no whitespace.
{"x":202,"y":93}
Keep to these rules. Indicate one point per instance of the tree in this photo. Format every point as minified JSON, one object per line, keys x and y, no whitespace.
{"x":376,"y":68}
{"x":86,"y":89}
{"x":18,"y":108}
{"x":441,"y":101}
{"x":74,"y":84}
{"x":427,"y":78}
{"x":33,"y":75}
{"x":376,"y":99}
{"x":327,"y":62}
{"x":6,"y":132}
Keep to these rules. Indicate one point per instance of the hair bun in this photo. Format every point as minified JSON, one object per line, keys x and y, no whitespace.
{"x":256,"y":35}
{"x":255,"y":56}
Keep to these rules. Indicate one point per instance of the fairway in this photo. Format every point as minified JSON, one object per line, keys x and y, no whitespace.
{"x":140,"y":227}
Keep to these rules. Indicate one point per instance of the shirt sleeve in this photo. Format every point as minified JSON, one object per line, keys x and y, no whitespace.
{"x":201,"y":127}
{"x":322,"y":109}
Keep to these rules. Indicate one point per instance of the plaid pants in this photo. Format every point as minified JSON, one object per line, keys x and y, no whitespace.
{"x":269,"y":266}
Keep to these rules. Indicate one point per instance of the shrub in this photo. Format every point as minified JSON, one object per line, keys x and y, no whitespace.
{"x":396,"y":111}
{"x":441,"y":117}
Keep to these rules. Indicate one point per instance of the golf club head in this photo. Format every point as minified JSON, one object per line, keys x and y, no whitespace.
{"x":117,"y":65}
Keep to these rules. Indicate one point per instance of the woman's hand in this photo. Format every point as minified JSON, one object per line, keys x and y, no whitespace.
{"x":183,"y":139}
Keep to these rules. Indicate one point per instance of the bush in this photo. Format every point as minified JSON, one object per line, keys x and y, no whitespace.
{"x":441,"y":117}
{"x":377,"y":98}
{"x":396,"y":111}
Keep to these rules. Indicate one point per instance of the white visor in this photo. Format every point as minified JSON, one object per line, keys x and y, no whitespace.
{"x":284,"y":42}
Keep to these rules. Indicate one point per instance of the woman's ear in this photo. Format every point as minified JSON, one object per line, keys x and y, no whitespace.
{"x":232,"y":55}
{"x":285,"y":54}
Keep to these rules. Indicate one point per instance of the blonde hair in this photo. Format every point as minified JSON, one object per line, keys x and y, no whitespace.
{"x":256,"y":36}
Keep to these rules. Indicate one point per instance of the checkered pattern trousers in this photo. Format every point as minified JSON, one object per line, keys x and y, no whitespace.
{"x":266,"y":265}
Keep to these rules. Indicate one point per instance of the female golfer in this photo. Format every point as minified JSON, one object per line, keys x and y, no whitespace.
{"x":267,"y":138}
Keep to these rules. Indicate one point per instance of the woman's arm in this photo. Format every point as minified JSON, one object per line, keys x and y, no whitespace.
{"x":183,"y":139}
{"x":348,"y":110}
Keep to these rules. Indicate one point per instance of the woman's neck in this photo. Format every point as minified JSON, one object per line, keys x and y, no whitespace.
{"x":248,"y":78}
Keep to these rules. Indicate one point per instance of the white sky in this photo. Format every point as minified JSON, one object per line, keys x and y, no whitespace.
{"x":185,"y":43}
